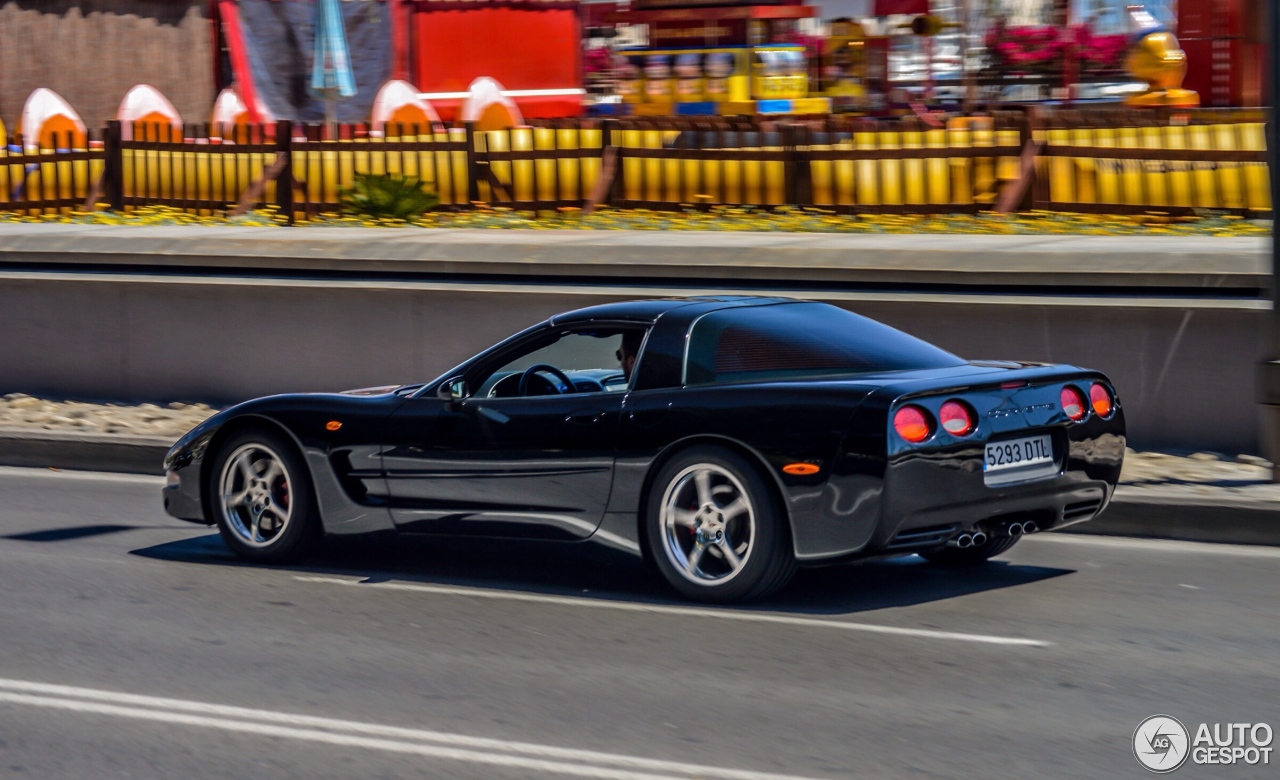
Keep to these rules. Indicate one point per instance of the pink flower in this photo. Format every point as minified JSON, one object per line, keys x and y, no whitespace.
{"x":595,"y":60}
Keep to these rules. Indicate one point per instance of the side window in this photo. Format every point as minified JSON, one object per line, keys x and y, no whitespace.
{"x":593,"y":360}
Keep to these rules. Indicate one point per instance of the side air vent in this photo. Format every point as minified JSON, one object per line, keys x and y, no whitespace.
{"x":1081,"y":509}
{"x":922,"y":537}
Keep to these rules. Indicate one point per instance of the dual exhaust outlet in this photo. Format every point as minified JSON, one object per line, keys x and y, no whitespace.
{"x":1018,"y":529}
{"x":968,"y":539}
{"x":978,"y":537}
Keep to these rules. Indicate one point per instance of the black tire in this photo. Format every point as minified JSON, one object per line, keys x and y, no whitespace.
{"x":971,"y":556}
{"x":276,"y":540}
{"x":758,"y":538}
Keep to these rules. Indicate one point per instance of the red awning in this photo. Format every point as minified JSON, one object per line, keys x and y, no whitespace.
{"x":713,"y":14}
{"x":890,"y":7}
{"x":597,"y":14}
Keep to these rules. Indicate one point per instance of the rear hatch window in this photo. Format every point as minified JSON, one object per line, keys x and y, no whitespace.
{"x":795,"y":340}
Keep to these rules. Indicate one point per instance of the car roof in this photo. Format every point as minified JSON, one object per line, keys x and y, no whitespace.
{"x":649,"y":310}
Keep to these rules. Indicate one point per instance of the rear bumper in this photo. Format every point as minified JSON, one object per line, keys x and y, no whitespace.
{"x":922,"y":500}
{"x":944,"y":493}
{"x":1069,"y":499}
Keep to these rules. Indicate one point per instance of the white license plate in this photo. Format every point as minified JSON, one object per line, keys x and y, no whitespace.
{"x":1018,"y":453}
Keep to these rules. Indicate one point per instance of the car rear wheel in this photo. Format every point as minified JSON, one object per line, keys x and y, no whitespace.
{"x":714,"y":528}
{"x":971,"y":556}
{"x":262,"y":498}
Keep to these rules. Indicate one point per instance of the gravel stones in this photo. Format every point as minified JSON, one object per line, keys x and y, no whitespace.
{"x":19,"y":412}
{"x":1155,"y":468}
{"x":1199,"y":478}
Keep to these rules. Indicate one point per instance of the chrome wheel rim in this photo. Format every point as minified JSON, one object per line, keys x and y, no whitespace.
{"x":708,"y":524}
{"x":256,"y":501}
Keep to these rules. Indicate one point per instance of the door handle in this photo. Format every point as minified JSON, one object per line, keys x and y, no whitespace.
{"x":588,"y":417}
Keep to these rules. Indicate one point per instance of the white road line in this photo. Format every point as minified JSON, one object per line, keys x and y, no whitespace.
{"x":456,"y":747}
{"x":1160,"y":545}
{"x":89,"y":476}
{"x":659,"y":609}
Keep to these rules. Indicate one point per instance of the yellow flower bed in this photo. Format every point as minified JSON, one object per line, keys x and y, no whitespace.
{"x":724,"y":218}
{"x":149,"y":215}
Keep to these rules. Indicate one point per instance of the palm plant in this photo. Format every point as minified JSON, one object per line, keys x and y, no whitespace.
{"x":387,"y":196}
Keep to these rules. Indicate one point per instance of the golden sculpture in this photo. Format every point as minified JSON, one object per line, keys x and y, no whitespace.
{"x":1159,"y":60}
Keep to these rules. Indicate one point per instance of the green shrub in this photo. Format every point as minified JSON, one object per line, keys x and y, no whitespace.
{"x":387,"y":196}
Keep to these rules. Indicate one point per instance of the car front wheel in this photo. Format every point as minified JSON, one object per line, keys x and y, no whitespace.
{"x":714,"y":528}
{"x":262,"y":499}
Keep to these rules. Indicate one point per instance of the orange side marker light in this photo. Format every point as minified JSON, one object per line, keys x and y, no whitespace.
{"x":332,"y":425}
{"x":801,"y":469}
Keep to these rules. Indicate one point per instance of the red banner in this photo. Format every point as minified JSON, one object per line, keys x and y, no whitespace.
{"x":521,"y":48}
{"x":890,"y":7}
{"x":234,"y":34}
{"x":526,"y":5}
{"x":652,"y":5}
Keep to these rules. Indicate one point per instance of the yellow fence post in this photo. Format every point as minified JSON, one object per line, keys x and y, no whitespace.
{"x":890,"y":169}
{"x":983,"y":136}
{"x":820,"y":180}
{"x":913,"y":168}
{"x":1257,"y":178}
{"x":1179,"y":176}
{"x":938,"y":169}
{"x":866,"y":173}
{"x":959,"y":136}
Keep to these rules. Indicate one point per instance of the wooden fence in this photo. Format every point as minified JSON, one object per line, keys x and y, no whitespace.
{"x":321,"y":168}
{"x":203,"y":170}
{"x":858,"y":167}
{"x":49,"y":180}
{"x":1175,"y":167}
{"x":1108,"y":162}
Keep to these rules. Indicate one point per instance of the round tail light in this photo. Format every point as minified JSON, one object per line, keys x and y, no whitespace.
{"x":912,"y":423}
{"x":956,"y":418}
{"x":1073,"y":403}
{"x":1100,"y":399}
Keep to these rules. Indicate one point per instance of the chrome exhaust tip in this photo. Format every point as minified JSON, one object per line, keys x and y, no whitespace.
{"x":1030,"y":527}
{"x":1017,"y":529}
{"x":962,"y":541}
{"x":978,"y":539}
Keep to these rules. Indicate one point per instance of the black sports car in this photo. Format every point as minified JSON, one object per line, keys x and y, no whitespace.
{"x":725,"y":440}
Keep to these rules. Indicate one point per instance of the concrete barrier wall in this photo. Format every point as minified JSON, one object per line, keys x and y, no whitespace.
{"x":1184,"y":371}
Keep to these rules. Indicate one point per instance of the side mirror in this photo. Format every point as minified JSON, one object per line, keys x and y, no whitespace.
{"x":454,"y":389}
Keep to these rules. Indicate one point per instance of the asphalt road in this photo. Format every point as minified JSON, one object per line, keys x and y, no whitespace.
{"x":133,"y":645}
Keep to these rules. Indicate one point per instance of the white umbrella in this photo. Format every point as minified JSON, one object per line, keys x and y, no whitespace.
{"x":331,"y":74}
